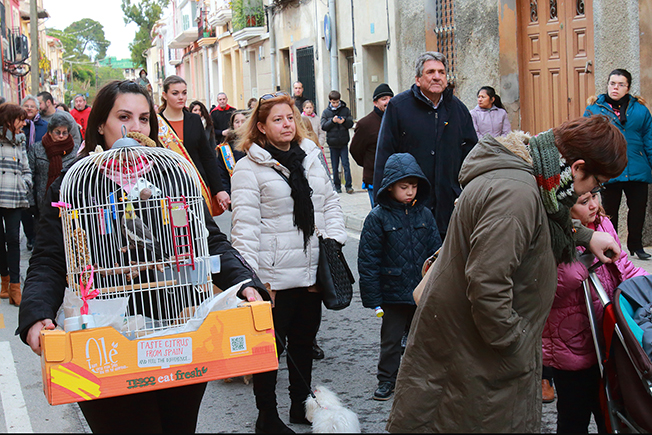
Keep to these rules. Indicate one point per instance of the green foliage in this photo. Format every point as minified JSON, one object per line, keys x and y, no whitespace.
{"x":247,"y":13}
{"x":83,"y":39}
{"x":145,"y":14}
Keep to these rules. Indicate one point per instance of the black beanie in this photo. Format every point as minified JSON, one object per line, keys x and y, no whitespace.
{"x":382,"y":90}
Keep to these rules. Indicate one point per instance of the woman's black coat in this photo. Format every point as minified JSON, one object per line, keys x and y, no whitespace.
{"x":202,"y":155}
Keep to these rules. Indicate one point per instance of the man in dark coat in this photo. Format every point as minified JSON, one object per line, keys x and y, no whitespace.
{"x":336,"y":120}
{"x":221,"y":116}
{"x":365,"y":137}
{"x":297,"y":90}
{"x":430,"y":123}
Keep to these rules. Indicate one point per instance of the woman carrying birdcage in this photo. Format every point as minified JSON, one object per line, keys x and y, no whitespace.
{"x":121,"y":105}
{"x":281,"y":197}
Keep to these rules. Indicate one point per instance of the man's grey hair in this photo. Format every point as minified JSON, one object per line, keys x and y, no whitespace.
{"x":29,"y":97}
{"x":222,"y":93}
{"x":425,"y":57}
{"x":59,"y":120}
{"x":79,"y":95}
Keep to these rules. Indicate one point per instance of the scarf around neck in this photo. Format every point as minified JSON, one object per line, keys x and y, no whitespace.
{"x":55,"y":152}
{"x":619,"y":107}
{"x":304,"y":212}
{"x":32,"y":130}
{"x":555,"y":180}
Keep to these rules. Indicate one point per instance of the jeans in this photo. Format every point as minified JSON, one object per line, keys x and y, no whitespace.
{"x":636,"y":195}
{"x":336,"y":155}
{"x":10,"y":244}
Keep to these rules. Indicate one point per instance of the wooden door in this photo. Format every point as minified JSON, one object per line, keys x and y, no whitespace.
{"x":556,"y":56}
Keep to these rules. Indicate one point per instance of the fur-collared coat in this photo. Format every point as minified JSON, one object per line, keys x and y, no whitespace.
{"x":473,"y":357}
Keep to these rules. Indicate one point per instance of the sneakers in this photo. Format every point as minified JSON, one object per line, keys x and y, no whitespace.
{"x":349,"y":190}
{"x":384,"y":391}
{"x":338,"y":189}
{"x":547,"y":391}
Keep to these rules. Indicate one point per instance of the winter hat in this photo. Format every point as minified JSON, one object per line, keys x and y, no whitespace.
{"x":382,"y":90}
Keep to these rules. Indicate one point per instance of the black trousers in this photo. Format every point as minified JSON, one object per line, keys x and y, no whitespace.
{"x":396,"y":321}
{"x":297,"y":315}
{"x":577,"y":398}
{"x":173,"y":410}
{"x":636,"y":196}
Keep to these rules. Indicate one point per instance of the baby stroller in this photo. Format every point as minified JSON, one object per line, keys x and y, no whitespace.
{"x":625,"y":366}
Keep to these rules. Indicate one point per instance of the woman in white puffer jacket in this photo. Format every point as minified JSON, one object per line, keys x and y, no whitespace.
{"x":279,"y":192}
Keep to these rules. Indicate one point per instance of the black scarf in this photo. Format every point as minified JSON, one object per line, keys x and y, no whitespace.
{"x":304,"y":212}
{"x":619,"y":106}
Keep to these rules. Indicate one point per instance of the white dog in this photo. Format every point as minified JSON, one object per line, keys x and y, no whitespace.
{"x":327,"y":414}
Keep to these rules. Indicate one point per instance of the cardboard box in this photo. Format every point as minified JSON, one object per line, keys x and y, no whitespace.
{"x":100,"y":362}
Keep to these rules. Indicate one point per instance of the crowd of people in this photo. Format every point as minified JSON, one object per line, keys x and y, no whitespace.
{"x":507,"y":212}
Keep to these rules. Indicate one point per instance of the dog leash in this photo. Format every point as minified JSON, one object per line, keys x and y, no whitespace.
{"x":287,"y":352}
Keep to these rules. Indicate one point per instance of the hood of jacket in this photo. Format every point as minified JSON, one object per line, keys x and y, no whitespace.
{"x":492,"y":153}
{"x":260,"y":155}
{"x":338,"y":108}
{"x":399,"y":166}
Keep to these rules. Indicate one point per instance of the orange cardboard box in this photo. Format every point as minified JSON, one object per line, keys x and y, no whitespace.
{"x":100,"y":362}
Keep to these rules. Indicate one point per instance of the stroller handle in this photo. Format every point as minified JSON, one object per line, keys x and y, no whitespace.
{"x":587,"y":258}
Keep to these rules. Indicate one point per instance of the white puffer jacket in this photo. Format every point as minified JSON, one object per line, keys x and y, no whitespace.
{"x":262,"y":221}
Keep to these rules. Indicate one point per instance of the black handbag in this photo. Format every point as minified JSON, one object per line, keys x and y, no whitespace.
{"x":334,"y":276}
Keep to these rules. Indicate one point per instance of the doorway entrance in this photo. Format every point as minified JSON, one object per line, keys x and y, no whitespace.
{"x":556,"y":61}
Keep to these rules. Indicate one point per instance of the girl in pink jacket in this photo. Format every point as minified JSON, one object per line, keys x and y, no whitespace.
{"x":567,"y":342}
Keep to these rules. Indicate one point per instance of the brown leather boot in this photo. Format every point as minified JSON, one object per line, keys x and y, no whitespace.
{"x":14,"y":293}
{"x":547,"y":391}
{"x":4,"y":291}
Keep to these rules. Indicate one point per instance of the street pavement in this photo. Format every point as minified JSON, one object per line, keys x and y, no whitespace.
{"x":349,"y":338}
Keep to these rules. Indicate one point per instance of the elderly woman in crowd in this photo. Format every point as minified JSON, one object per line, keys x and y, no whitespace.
{"x":55,"y":152}
{"x":281,"y":196}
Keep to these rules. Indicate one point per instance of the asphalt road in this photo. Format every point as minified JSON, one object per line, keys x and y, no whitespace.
{"x":350,"y":339}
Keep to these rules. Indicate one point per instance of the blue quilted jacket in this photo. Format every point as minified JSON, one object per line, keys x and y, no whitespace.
{"x":638,"y":133}
{"x":396,"y":239}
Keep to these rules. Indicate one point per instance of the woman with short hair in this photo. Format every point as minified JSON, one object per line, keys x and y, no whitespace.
{"x":55,"y":152}
{"x":281,"y":197}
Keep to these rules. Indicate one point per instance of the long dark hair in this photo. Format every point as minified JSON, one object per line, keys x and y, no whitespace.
{"x":102,"y":105}
{"x":491,"y":93}
{"x":204,"y":112}
{"x":9,"y":113}
{"x":170,"y":80}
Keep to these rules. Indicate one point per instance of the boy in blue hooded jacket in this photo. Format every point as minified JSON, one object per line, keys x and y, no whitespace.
{"x":398,"y":235}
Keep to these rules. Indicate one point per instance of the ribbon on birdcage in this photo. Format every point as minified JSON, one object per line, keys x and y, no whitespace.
{"x":61,"y":205}
{"x":126,"y":171}
{"x":85,"y":288}
{"x":171,"y":141}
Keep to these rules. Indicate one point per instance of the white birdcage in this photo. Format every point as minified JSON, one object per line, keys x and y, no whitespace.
{"x":133,"y":226}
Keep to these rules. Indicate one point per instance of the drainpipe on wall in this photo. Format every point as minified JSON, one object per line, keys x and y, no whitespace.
{"x":33,"y":33}
{"x":207,"y":78}
{"x":335,"y":76}
{"x":269,"y":14}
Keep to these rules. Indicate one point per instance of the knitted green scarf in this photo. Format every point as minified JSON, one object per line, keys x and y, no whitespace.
{"x":555,"y":181}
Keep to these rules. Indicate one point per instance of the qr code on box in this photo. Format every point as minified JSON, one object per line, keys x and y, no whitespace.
{"x":238,"y":343}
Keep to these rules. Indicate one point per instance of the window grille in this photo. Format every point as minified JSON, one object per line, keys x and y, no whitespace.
{"x":534,"y":11}
{"x":445,"y":31}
